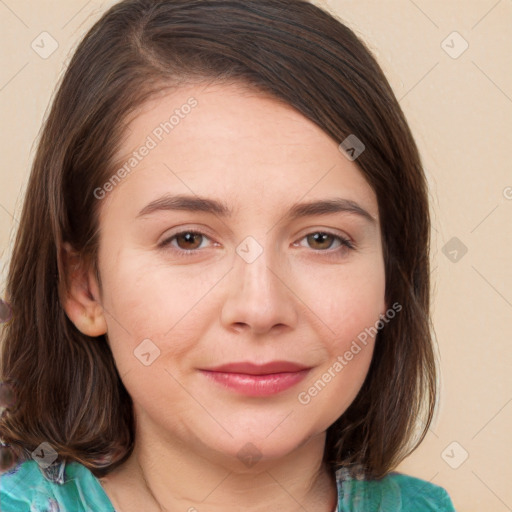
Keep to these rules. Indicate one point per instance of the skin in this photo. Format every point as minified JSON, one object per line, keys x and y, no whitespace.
{"x":300,"y":300}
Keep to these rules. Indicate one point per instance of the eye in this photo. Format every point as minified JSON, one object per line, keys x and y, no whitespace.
{"x":187,"y":242}
{"x":323,"y":240}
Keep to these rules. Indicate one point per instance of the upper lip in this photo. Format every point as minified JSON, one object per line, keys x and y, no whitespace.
{"x":259,"y":369}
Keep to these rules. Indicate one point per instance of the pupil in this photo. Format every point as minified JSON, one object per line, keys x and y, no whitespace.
{"x":189,"y":237}
{"x":320,"y":237}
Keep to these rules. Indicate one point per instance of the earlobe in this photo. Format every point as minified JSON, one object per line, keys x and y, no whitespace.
{"x":80,"y":295}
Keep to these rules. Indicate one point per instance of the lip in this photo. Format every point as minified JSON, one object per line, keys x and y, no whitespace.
{"x":258,"y":380}
{"x":249,"y":368}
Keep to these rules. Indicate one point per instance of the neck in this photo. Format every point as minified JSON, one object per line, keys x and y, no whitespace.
{"x":164,"y":475}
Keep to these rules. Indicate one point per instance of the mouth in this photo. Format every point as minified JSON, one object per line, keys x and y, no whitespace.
{"x":257,"y":380}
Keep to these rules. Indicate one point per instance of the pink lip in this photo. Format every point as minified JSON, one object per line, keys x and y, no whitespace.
{"x":258,"y":380}
{"x":259,"y":369}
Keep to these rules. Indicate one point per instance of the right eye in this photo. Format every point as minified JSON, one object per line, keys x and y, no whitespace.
{"x":187,"y":242}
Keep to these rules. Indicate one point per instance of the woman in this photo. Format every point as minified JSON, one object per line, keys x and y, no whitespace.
{"x":220,"y":283}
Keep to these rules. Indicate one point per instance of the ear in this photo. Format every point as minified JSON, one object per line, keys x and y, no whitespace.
{"x":81,"y":297}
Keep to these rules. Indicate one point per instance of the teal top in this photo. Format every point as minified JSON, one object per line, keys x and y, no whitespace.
{"x":72,"y":487}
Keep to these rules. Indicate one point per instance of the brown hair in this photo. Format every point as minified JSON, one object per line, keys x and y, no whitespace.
{"x":67,"y":387}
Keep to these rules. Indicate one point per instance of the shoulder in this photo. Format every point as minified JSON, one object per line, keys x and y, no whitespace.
{"x":395,"y":492}
{"x":422,"y":494}
{"x":23,"y":487}
{"x":65,"y":488}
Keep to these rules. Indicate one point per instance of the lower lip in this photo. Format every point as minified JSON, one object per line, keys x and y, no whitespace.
{"x":257,"y":385}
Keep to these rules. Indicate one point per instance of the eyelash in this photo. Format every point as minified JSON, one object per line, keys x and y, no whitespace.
{"x":345,"y":243}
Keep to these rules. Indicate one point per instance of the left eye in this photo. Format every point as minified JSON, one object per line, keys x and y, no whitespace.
{"x":320,"y":237}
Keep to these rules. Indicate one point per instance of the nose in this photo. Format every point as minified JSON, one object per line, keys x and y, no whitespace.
{"x":260,"y":296}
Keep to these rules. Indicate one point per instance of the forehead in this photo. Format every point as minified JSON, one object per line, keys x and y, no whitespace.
{"x":230,"y":141}
{"x":227,"y":116}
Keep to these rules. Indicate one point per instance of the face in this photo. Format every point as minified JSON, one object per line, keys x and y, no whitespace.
{"x":241,"y":277}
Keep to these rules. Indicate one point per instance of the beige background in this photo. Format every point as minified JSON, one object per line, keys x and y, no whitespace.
{"x":459,"y":105}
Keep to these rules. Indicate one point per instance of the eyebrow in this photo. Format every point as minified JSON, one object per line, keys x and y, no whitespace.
{"x":212,"y":206}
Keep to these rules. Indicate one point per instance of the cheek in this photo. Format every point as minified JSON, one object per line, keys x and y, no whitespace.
{"x":151,"y":300}
{"x":350,"y":307}
{"x":335,"y":384}
{"x":354,"y":314}
{"x":346,"y":299}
